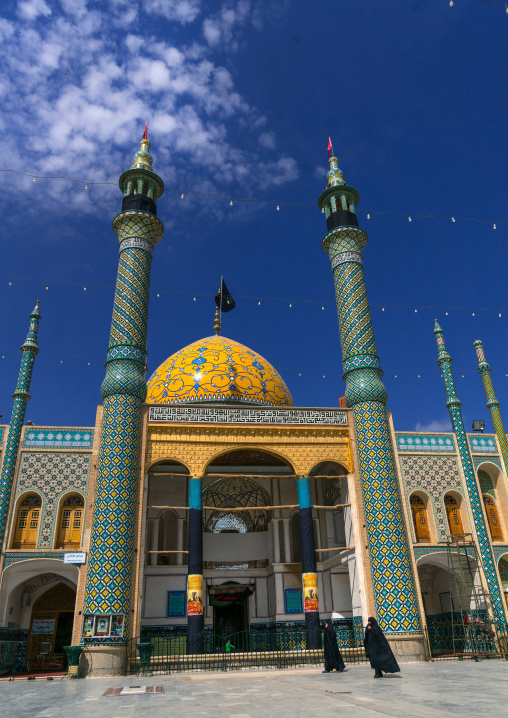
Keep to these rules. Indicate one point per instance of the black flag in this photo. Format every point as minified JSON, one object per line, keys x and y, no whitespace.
{"x":223,"y":298}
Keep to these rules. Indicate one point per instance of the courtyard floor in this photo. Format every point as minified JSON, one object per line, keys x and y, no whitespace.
{"x":451,"y":688}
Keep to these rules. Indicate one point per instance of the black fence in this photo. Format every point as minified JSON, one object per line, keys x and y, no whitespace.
{"x":473,"y":635}
{"x":162,"y":654}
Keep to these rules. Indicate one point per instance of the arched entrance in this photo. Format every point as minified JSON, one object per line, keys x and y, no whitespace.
{"x":51,"y":627}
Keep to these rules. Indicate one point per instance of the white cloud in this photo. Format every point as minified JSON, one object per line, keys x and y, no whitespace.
{"x":436,"y":425}
{"x":76,"y":93}
{"x":223,"y":27}
{"x":31,"y":9}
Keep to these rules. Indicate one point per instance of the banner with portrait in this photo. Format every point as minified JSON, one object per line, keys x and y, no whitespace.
{"x":310,"y":592}
{"x":195,"y":595}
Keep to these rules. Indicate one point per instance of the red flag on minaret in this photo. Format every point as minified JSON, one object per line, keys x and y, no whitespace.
{"x":145,"y":133}
{"x":330,"y":147}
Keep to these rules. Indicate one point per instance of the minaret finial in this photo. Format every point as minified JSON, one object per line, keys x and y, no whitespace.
{"x":216,"y":323}
{"x":143,"y":159}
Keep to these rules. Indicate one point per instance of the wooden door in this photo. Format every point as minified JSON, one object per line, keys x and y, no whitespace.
{"x":453,"y":514}
{"x":27,"y":523}
{"x":420,"y":521}
{"x":71,"y":523}
{"x":493,"y":519}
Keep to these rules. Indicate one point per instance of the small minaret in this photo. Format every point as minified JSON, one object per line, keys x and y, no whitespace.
{"x":392,"y":573}
{"x":29,"y":351}
{"x":110,"y":563}
{"x":492,"y":402}
{"x":453,"y":404}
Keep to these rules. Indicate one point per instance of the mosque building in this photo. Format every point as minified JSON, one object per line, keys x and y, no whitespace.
{"x":204,"y":504}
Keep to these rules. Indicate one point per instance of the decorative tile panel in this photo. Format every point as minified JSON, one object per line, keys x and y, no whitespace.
{"x":486,"y":483}
{"x":17,"y":556}
{"x":234,"y":415}
{"x":478,"y":460}
{"x":425,"y":442}
{"x":499,"y":551}
{"x":482,"y":444}
{"x":58,"y":438}
{"x":435,"y":475}
{"x":51,"y":476}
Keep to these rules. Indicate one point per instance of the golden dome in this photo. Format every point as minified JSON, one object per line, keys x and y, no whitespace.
{"x":217,"y":369}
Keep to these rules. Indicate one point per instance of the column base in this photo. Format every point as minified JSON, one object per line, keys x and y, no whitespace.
{"x":408,"y":649}
{"x":100,"y":661}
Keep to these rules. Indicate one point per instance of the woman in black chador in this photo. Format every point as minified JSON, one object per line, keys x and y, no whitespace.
{"x":378,"y":650}
{"x":333,"y":659}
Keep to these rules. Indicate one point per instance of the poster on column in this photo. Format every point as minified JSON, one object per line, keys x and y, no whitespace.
{"x":310,"y":592}
{"x":195,"y":595}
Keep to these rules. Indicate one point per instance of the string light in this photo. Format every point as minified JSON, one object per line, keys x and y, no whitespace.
{"x":473,"y":314}
{"x":47,"y":288}
{"x":494,"y":226}
{"x":258,"y":200}
{"x":84,"y":289}
{"x":278,"y":208}
{"x":416,"y":311}
{"x":259,"y":304}
{"x":382,"y":309}
{"x":290,"y":306}
{"x":451,"y":3}
{"x":323,"y":308}
{"x":500,"y":314}
{"x":158,"y":295}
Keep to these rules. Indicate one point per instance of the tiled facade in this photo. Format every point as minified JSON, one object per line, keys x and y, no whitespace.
{"x":52,"y":476}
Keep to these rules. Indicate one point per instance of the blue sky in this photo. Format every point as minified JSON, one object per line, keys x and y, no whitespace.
{"x":241,"y":98}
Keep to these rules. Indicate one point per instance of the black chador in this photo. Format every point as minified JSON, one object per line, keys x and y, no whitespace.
{"x":333,"y":659}
{"x":378,"y":650}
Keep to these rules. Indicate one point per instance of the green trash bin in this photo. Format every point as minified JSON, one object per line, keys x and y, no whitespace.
{"x":145,"y":653}
{"x":73,"y":653}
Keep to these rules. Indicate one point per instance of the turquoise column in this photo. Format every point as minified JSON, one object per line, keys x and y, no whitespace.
{"x":29,"y":351}
{"x":393,"y":579}
{"x":453,"y":404}
{"x":110,"y":562}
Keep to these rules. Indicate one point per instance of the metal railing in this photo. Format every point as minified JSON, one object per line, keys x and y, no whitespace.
{"x":466,"y":635}
{"x":246,"y":649}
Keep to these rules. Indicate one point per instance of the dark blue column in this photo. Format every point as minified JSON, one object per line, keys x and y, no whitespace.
{"x":195,"y":608}
{"x":309,"y":574}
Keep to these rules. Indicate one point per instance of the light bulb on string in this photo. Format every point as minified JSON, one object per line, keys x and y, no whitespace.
{"x":368,"y":215}
{"x":494,"y":226}
{"x":324,"y":376}
{"x":416,"y":311}
{"x":86,"y":186}
{"x":35,"y":179}
{"x":194,"y":298}
{"x":182,"y":195}
{"x":47,"y":288}
{"x":419,"y":376}
{"x":382,"y":309}
{"x":499,"y":314}
{"x":473,"y":314}
{"x":84,"y":289}
{"x":446,"y":313}
{"x":290,"y":306}
{"x":506,"y":9}
{"x":453,"y":219}
{"x":158,"y":294}
{"x":451,"y":3}
{"x":395,"y":375}
{"x":10,"y":284}
{"x":278,"y":208}
{"x":259,"y":304}
{"x":61,"y":361}
{"x":231,"y":203}
{"x":323,"y":308}
{"x":88,"y":363}
{"x":409,"y":218}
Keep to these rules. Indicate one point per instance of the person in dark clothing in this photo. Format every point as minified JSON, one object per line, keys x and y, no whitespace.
{"x":333,"y":659}
{"x":378,"y":650}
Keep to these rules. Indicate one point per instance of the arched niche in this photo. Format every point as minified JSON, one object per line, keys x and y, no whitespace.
{"x":25,"y":531}
{"x":421,"y":516}
{"x":166,"y":526}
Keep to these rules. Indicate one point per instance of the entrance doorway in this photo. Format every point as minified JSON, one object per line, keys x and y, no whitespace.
{"x":231,"y":621}
{"x":51,"y":628}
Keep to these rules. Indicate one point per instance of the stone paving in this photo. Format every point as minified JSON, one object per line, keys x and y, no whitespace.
{"x":421,"y":690}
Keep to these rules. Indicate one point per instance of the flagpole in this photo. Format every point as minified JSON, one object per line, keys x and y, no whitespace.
{"x":220,"y":304}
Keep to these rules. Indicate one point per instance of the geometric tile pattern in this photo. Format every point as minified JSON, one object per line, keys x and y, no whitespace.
{"x":435,"y":475}
{"x":2,"y":432}
{"x":58,"y":438}
{"x":394,"y":585}
{"x":109,"y":574}
{"x":483,"y":444}
{"x":478,"y":460}
{"x":500,"y":551}
{"x":486,"y":483}
{"x":389,"y":553}
{"x":11,"y":558}
{"x":21,"y":396}
{"x":52,"y":475}
{"x":484,"y":546}
{"x":425,"y":442}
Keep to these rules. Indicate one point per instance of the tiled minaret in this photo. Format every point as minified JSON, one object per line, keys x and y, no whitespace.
{"x":29,"y":351}
{"x":109,"y":574}
{"x":393,"y":579}
{"x":453,"y":404}
{"x":492,"y":402}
